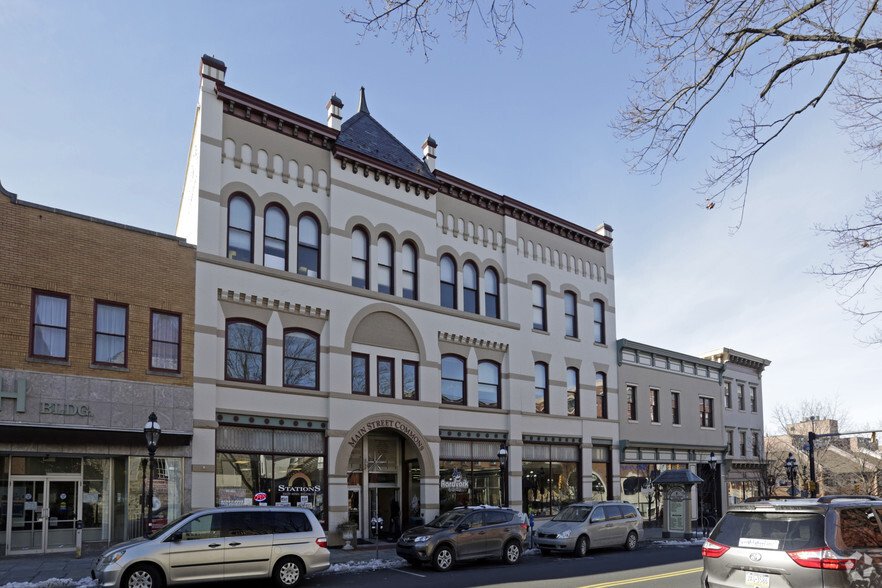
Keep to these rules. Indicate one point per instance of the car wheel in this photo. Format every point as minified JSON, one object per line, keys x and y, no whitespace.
{"x":288,"y":572}
{"x":581,"y":549}
{"x":511,"y":553}
{"x":631,"y":541}
{"x":443,"y":558}
{"x":142,"y":576}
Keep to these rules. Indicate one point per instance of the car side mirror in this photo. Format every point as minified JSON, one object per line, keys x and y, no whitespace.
{"x":463,"y":527}
{"x":176,"y":537}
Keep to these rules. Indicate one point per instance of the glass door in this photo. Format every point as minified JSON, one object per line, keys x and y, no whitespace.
{"x":62,"y":504}
{"x":24,"y":527}
{"x":42,"y":514}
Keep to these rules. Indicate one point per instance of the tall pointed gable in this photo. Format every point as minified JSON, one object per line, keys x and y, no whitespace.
{"x":363,"y":134}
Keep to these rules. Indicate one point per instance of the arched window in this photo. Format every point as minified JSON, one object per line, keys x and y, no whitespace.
{"x":301,"y":351}
{"x":570,"y":317}
{"x":246,"y":349}
{"x":491,"y":293}
{"x":539,"y":314}
{"x":470,"y":287}
{"x":240,"y":229}
{"x":541,"y":386}
{"x":308,"y":246}
{"x":448,"y":282}
{"x":599,"y":322}
{"x":600,"y":385}
{"x":409,"y":271}
{"x":360,"y":277}
{"x":572,"y":392}
{"x":488,"y":385}
{"x":385,"y":265}
{"x":453,"y":386}
{"x":275,"y":237}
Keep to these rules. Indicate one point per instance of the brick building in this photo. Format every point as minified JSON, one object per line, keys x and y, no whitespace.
{"x":96,"y":332}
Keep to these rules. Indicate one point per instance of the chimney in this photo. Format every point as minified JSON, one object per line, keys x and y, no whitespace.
{"x":335,"y":106}
{"x":212,"y":68}
{"x":429,"y":152}
{"x":604,"y":230}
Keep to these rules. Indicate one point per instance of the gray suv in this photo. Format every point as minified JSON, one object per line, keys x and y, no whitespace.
{"x":465,"y":533}
{"x":584,"y":525}
{"x":834,"y":541}
{"x":250,"y":542}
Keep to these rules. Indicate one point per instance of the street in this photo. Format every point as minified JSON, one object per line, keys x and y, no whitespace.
{"x":658,"y":566}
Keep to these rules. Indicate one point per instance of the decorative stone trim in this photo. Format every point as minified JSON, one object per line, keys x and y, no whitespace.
{"x":227,"y":418}
{"x":472,"y":342}
{"x":276,"y":305}
{"x":551,"y":439}
{"x":477,"y":435}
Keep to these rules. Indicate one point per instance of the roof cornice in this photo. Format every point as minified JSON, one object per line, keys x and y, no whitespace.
{"x":467,"y":192}
{"x":274,"y":118}
{"x":390,"y":173}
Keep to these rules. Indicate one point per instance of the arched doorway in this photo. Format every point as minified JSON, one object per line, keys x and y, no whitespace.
{"x":386,"y":460}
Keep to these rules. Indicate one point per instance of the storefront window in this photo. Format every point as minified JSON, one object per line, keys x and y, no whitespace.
{"x":549,"y":486}
{"x":470,"y":474}
{"x":637,"y":487}
{"x":601,"y":473}
{"x":167,"y":492}
{"x":96,"y":505}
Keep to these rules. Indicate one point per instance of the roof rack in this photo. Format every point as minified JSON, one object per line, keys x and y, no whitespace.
{"x":762,"y":498}
{"x":832,"y":497}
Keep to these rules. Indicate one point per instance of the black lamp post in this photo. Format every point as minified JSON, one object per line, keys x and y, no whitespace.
{"x":791,"y":467}
{"x":502,"y":454}
{"x":151,"y":432}
{"x":712,"y":462}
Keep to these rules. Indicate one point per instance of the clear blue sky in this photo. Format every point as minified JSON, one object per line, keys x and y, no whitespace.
{"x":98,"y":100}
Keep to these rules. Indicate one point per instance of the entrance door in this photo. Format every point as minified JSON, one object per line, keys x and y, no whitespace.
{"x":42,"y":514}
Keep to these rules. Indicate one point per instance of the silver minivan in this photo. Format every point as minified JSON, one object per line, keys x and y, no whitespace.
{"x":228,"y":543}
{"x":585,"y":525}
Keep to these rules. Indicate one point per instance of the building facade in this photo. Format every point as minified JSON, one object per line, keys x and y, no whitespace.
{"x":370,"y":330}
{"x":96,"y":331}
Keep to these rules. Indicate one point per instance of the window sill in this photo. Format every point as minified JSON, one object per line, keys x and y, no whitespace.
{"x":656,"y":423}
{"x":597,"y":344}
{"x":168,"y":374}
{"x":48,"y":360}
{"x":572,"y":338}
{"x":540,"y":331}
{"x":112,"y":368}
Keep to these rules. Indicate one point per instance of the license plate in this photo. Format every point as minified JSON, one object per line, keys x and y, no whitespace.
{"x":755,"y":579}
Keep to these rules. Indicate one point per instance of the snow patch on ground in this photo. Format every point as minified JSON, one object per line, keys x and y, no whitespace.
{"x":53,"y":583}
{"x":364,"y":566}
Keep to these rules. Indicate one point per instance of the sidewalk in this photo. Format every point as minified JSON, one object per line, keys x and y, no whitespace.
{"x":38,"y":570}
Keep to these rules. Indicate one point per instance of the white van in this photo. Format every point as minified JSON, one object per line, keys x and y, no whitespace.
{"x":229,"y":543}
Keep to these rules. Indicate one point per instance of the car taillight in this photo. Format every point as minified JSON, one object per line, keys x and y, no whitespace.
{"x":322,"y":541}
{"x":821,"y":559}
{"x":712,"y":549}
{"x":524,"y":526}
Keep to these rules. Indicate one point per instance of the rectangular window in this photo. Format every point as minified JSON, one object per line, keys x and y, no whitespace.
{"x":386,"y":377}
{"x":599,"y":322}
{"x":755,"y":444}
{"x":727,"y":394}
{"x":572,"y":327}
{"x":541,"y":387}
{"x":539,"y":321}
{"x":165,"y":341}
{"x":706,"y":409}
{"x":740,"y":396}
{"x":753,"y":399}
{"x":632,"y":402}
{"x":49,"y":322}
{"x":743,"y":438}
{"x":111,"y":327}
{"x":653,"y":405}
{"x":410,"y":382}
{"x":572,"y":392}
{"x":729,"y":447}
{"x":360,"y":373}
{"x":600,"y":386}
{"x":675,"y":408}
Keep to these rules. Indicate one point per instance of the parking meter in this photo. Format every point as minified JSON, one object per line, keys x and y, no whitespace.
{"x":79,"y":528}
{"x":531,"y":530}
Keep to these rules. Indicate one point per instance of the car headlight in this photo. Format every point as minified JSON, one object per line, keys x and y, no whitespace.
{"x":112,"y":557}
{"x":422,"y":539}
{"x":563,"y":534}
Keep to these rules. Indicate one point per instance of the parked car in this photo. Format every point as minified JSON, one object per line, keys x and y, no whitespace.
{"x":465,"y":533}
{"x":585,"y":525}
{"x":833,"y":541}
{"x":284,"y":543}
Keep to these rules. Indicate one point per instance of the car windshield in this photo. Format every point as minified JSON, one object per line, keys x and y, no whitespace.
{"x":573,"y":514}
{"x":449,"y":519}
{"x":783,"y":531}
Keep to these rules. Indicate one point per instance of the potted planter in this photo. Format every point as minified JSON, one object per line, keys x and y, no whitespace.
{"x":348,"y":530}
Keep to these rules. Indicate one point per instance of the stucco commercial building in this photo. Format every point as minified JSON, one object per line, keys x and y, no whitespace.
{"x":371,"y":330}
{"x":96,"y":332}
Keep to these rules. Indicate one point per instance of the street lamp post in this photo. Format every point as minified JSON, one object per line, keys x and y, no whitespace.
{"x":503,"y":478}
{"x":791,"y":467}
{"x":151,"y":432}
{"x":712,"y":462}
